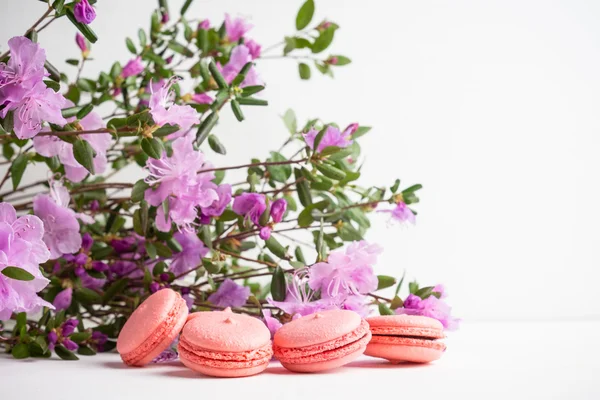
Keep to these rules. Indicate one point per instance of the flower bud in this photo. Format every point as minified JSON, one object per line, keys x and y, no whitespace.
{"x":63,"y":299}
{"x":84,"y":12}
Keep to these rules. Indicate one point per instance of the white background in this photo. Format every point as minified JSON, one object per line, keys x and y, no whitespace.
{"x":491,"y":105}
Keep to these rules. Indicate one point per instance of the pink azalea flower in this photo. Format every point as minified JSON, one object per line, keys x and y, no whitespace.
{"x":254,"y":48}
{"x":21,"y":246}
{"x":216,"y":208}
{"x":201,"y":98}
{"x":191,"y":254}
{"x":50,"y":146}
{"x":177,"y":177}
{"x":401,"y":213}
{"x":230,"y":294}
{"x":236,"y":28}
{"x":165,"y":111}
{"x":278,"y":208}
{"x":133,"y":67}
{"x":332,"y":137}
{"x":430,"y":307}
{"x":240,"y":55}
{"x":24,"y":69}
{"x":272,"y":323}
{"x":82,"y":44}
{"x":358,"y":304}
{"x":63,"y":299}
{"x":84,"y":12}
{"x":300,"y":299}
{"x":38,"y":105}
{"x":61,"y":228}
{"x":204,"y":24}
{"x":346,"y":273}
{"x":250,"y":205}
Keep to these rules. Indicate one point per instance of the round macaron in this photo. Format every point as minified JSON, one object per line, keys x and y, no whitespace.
{"x":152,"y":327}
{"x":224,"y":344}
{"x":321,"y":341}
{"x":410,"y":338}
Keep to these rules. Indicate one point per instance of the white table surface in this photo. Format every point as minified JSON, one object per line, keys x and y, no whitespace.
{"x":509,"y":360}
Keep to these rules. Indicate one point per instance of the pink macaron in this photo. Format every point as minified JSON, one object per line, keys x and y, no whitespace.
{"x":321,"y":341}
{"x":152,"y":327}
{"x":224,"y":344}
{"x":410,"y":338}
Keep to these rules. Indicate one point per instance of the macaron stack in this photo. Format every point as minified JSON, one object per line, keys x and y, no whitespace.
{"x":224,"y":344}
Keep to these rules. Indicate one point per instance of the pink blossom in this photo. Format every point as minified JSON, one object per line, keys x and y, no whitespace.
{"x":250,"y":205}
{"x":216,"y":208}
{"x":230,"y":294}
{"x":201,"y":98}
{"x":236,"y":28}
{"x":332,"y":137}
{"x":21,"y":246}
{"x":278,"y":209}
{"x":177,"y":178}
{"x":165,"y":111}
{"x":191,"y":254}
{"x":50,"y":146}
{"x":38,"y":105}
{"x":240,"y":56}
{"x":62,"y":300}
{"x":82,"y":44}
{"x":84,"y":12}
{"x":346,"y":273}
{"x":430,"y":307}
{"x":401,"y":213}
{"x":204,"y":24}
{"x":300,"y":299}
{"x":133,"y":67}
{"x":61,"y":228}
{"x":254,"y":48}
{"x":24,"y":69}
{"x":356,"y":303}
{"x":272,"y":323}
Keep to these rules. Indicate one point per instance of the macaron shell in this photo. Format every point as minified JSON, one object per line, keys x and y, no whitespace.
{"x":398,"y":353}
{"x":224,"y":372}
{"x":408,"y":331}
{"x":166,"y":342}
{"x":407,"y":321}
{"x":317,"y":328}
{"x":321,"y":366}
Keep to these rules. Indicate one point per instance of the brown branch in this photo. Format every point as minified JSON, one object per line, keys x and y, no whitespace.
{"x":267,"y":163}
{"x":270,"y":264}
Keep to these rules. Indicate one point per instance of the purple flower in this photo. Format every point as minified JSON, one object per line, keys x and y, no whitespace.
{"x":84,"y":12}
{"x":177,"y":179}
{"x":254,"y":48}
{"x":265,"y":232}
{"x":201,"y":98}
{"x":278,"y":208}
{"x":99,"y":339}
{"x":272,"y":323}
{"x":250,"y":205}
{"x":70,"y":345}
{"x":230,"y":294}
{"x":21,"y":246}
{"x":38,"y":105}
{"x":69,"y":326}
{"x":86,"y":242}
{"x":431,"y":307}
{"x":204,"y":24}
{"x":62,"y":300}
{"x":191,"y":254}
{"x":236,"y":28}
{"x":356,"y":303}
{"x":165,"y":111}
{"x":154,"y":287}
{"x":441,"y":289}
{"x":216,"y":208}
{"x":61,"y":229}
{"x":401,"y":213}
{"x":50,"y":146}
{"x":52,"y":339}
{"x":300,"y":298}
{"x":166,"y":356}
{"x":82,"y":43}
{"x":239,"y":57}
{"x":24,"y":69}
{"x":133,"y":67}
{"x":332,"y":137}
{"x":346,"y":273}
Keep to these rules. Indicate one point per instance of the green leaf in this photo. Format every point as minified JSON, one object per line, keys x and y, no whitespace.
{"x":17,"y":169}
{"x":289,"y":118}
{"x":153,"y":147}
{"x":117,"y":287}
{"x":385,"y":310}
{"x":205,"y":127}
{"x":84,"y":154}
{"x":276,"y":248}
{"x":331,"y":171}
{"x":174,"y":245}
{"x":7,"y":150}
{"x":142,"y":37}
{"x":303,"y":189}
{"x":250,"y":90}
{"x":150,"y":250}
{"x":239,"y":78}
{"x":163,"y":250}
{"x":304,"y":71}
{"x":251,"y":101}
{"x":87,"y":296}
{"x":279,"y":173}
{"x":53,"y":85}
{"x":306,"y":218}
{"x":237,"y":110}
{"x":139,"y":188}
{"x":179,"y":48}
{"x":218,"y":77}
{"x":165,"y":130}
{"x":72,"y":61}
{"x":20,"y":351}
{"x":84,"y":111}
{"x":413,"y":287}
{"x":324,"y":40}
{"x":349,"y":233}
{"x":395,"y":186}
{"x":58,"y":5}
{"x":412,"y":189}
{"x":341,"y":60}
{"x":17,"y":273}
{"x":185,"y":7}
{"x":385,"y":281}
{"x":399,"y":286}
{"x":216,"y":145}
{"x":278,"y":285}
{"x":86,"y":351}
{"x":424,"y":292}
{"x":396,"y":303}
{"x":79,"y":337}
{"x":83,"y":28}
{"x":65,"y":354}
{"x":130,"y":46}
{"x":299,"y":255}
{"x":305,"y":14}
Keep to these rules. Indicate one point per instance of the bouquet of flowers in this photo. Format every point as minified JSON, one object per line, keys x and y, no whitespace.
{"x":79,"y":251}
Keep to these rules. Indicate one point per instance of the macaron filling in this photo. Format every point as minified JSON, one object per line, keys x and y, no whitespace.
{"x":342,"y":346}
{"x":219,"y":359}
{"x":157,"y":337}
{"x":408,"y":336}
